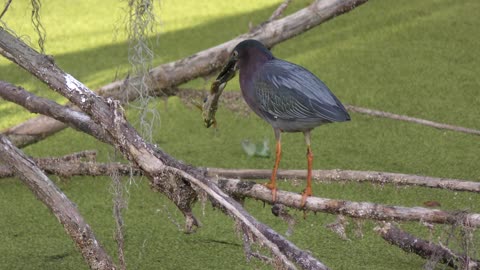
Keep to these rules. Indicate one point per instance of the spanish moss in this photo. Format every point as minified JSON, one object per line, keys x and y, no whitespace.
{"x":37,"y":24}
{"x":141,"y":22}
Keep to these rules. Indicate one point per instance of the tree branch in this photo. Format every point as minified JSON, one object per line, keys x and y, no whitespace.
{"x":176,"y":180}
{"x":65,"y":211}
{"x":358,"y":176}
{"x":118,"y":205}
{"x":58,"y":116}
{"x":362,"y":210}
{"x":188,"y":94}
{"x":411,"y":119}
{"x":69,"y":168}
{"x":5,"y":8}
{"x":167,"y":76}
{"x":426,"y":249}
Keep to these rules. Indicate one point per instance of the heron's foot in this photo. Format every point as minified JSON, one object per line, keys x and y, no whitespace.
{"x":306,"y":193}
{"x":273,"y":188}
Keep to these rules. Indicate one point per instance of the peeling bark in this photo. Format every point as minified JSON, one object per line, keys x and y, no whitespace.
{"x":65,"y":211}
{"x":426,"y":249}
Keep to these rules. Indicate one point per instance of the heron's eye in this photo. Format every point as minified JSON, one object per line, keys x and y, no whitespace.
{"x":235,"y":53}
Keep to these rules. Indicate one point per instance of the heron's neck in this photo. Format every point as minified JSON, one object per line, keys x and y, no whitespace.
{"x":250,"y":65}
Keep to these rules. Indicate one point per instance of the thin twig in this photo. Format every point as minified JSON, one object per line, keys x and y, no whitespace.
{"x":278,"y":12}
{"x":187,"y":95}
{"x":118,"y":205}
{"x":88,"y":155}
{"x":350,"y":175}
{"x":411,"y":119}
{"x":5,"y":8}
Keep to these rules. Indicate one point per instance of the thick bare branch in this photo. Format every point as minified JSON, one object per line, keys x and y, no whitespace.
{"x":426,"y":249}
{"x":60,"y":115}
{"x":412,"y":119}
{"x":203,"y":63}
{"x":167,"y":175}
{"x":362,"y":210}
{"x":65,"y":211}
{"x":349,"y":175}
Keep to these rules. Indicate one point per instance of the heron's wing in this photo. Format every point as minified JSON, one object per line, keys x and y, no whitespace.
{"x":288,"y":91}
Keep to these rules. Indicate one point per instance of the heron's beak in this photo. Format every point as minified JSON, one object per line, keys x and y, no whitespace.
{"x":228,"y":71}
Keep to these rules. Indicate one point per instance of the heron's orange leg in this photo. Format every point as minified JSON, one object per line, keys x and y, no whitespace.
{"x":308,"y":190}
{"x":278,"y":155}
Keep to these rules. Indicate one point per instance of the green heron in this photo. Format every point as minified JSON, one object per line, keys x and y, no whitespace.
{"x":287,"y":96}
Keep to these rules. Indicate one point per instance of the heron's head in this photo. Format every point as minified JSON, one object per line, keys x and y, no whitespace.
{"x":247,"y":52}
